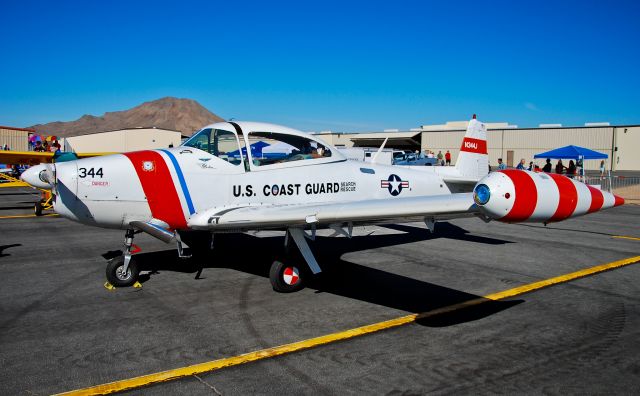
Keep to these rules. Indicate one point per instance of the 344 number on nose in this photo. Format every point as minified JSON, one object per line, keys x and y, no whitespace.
{"x":91,"y":172}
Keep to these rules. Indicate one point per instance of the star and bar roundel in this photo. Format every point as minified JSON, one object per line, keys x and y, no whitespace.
{"x":394,"y":184}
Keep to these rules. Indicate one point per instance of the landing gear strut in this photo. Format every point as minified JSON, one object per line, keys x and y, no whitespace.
{"x":122,"y":271}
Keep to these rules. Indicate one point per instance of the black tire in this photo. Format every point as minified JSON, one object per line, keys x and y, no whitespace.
{"x":115,"y":275}
{"x":287,"y":278}
{"x":37,"y":208}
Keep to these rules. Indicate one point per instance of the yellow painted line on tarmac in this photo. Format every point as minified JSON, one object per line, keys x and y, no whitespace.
{"x":626,"y":237}
{"x":27,"y":216}
{"x":137,"y":382}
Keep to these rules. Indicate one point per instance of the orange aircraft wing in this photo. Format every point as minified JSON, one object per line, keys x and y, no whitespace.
{"x":35,"y":158}
{"x":25,"y":157}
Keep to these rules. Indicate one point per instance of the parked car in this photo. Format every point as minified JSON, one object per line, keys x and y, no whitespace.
{"x":410,"y":158}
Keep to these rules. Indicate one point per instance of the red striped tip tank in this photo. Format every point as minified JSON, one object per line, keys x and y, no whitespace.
{"x":514,"y":196}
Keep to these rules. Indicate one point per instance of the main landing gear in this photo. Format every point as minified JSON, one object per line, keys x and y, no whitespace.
{"x":290,"y":274}
{"x":286,"y":277}
{"x":122,"y":271}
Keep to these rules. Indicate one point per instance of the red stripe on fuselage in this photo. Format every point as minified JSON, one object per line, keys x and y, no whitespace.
{"x":597,"y":199}
{"x":526,"y":196}
{"x":568,"y":197}
{"x":158,"y":187}
{"x":471,"y":145}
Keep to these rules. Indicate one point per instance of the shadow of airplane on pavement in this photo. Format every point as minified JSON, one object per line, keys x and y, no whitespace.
{"x":254,"y":255}
{"x":3,"y":247}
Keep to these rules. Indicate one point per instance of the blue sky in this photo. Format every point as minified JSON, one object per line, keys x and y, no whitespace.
{"x":338,"y":65}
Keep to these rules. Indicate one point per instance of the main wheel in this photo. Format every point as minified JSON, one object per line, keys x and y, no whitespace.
{"x":37,"y":208}
{"x":116,"y":275}
{"x":286,"y":278}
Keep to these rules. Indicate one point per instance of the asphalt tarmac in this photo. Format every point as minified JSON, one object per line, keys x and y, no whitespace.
{"x":61,"y":330}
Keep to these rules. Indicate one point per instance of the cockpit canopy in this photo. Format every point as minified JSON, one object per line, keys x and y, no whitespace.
{"x":268,"y":145}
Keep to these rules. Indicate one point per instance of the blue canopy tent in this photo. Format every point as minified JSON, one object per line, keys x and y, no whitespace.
{"x":256,"y":150}
{"x":572,"y":152}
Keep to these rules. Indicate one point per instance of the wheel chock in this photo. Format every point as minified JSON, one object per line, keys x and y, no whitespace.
{"x":111,"y":287}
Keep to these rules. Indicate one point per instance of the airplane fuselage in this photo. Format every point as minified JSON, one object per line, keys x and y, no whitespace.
{"x":170,"y":185}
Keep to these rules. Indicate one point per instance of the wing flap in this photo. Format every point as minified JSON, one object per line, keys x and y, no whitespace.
{"x":249,"y":217}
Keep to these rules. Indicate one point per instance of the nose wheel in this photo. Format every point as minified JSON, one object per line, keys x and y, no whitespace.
{"x":286,"y":277}
{"x":123,"y":271}
{"x":118,"y":275}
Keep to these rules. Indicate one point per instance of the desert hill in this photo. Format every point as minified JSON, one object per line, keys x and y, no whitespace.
{"x":184,"y":115}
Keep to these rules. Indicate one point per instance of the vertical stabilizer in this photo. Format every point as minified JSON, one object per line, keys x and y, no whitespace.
{"x":473,"y":160}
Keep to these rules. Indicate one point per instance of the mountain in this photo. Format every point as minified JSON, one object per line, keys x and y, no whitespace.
{"x":184,"y":115}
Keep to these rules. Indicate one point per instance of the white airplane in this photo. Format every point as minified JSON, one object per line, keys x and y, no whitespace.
{"x":217,"y":183}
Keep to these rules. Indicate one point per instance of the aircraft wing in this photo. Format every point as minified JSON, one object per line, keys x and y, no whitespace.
{"x":369,"y":211}
{"x":25,"y":157}
{"x":35,"y":157}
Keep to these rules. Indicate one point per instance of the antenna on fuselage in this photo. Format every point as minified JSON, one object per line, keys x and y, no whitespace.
{"x":375,"y":157}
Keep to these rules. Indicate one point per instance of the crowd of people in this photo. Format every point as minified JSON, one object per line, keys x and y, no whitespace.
{"x":571,"y":171}
{"x":442,"y":159}
{"x":46,"y":147}
{"x":38,"y":146}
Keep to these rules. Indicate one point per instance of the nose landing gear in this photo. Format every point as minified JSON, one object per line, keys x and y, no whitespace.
{"x":123,"y":271}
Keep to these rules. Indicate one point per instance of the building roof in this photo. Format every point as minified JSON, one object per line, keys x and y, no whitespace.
{"x":124,"y":129}
{"x":17,"y":129}
{"x":396,"y":139}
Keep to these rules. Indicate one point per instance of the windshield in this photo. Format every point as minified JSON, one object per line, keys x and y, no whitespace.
{"x":270,"y":148}
{"x":223,"y":144}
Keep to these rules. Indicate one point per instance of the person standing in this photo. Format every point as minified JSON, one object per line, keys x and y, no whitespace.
{"x":501,"y":165}
{"x":521,"y":164}
{"x":547,"y":166}
{"x":602,"y":168}
{"x":439,"y":156}
{"x":447,"y":158}
{"x":571,"y":170}
{"x":560,"y":168}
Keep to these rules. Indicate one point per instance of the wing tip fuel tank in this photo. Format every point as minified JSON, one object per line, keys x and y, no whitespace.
{"x":524,"y":196}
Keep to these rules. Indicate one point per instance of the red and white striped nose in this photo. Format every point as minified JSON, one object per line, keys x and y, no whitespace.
{"x":521,"y":196}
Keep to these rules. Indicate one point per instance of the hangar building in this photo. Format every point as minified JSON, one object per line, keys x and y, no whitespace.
{"x":620,"y":142}
{"x":123,"y":140}
{"x":16,"y":138}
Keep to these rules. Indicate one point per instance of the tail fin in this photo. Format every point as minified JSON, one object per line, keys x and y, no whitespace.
{"x":473,"y":160}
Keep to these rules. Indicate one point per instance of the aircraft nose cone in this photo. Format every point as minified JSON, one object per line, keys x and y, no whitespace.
{"x":36,"y":176}
{"x":618,"y":200}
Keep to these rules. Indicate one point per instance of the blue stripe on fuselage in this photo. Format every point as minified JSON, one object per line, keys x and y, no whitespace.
{"x":183,"y":183}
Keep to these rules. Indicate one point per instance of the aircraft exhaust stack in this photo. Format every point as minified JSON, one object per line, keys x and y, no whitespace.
{"x":514,"y":196}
